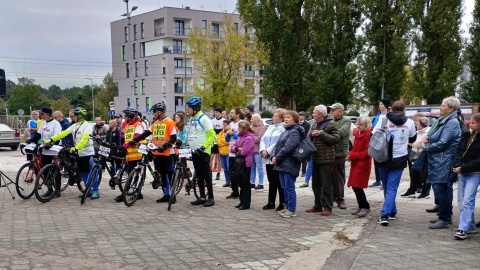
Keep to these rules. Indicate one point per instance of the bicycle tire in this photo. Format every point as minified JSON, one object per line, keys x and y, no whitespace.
{"x":64,"y":179}
{"x":89,"y":185}
{"x":175,"y":189}
{"x":196,"y":191}
{"x":122,"y":178}
{"x":180,"y":183}
{"x":50,"y":170}
{"x":134,"y":182}
{"x":28,"y":182}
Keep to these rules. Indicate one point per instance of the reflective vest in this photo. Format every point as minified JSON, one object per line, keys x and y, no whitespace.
{"x":132,"y":152}
{"x":161,"y":134}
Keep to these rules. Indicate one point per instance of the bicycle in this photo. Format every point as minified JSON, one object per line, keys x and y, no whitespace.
{"x":25,"y":178}
{"x":63,"y":165}
{"x":180,"y":173}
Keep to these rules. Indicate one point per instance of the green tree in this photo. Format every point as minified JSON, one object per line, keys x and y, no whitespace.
{"x":471,"y":90}
{"x":10,"y":86}
{"x":61,"y":104}
{"x":26,"y":96}
{"x":222,"y":62}
{"x":438,"y":46}
{"x":410,"y":88}
{"x":54,"y":92}
{"x":104,"y":95}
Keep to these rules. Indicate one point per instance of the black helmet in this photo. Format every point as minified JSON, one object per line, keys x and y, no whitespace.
{"x":80,"y":112}
{"x":130,"y":112}
{"x":159,"y":107}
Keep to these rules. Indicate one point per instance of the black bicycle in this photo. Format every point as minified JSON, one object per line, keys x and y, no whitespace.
{"x":181,"y":173}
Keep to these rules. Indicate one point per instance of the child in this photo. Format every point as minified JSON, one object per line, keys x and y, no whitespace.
{"x":361,"y":163}
{"x":223,"y":144}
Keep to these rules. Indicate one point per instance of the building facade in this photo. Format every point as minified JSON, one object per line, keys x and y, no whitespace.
{"x":149,"y":61}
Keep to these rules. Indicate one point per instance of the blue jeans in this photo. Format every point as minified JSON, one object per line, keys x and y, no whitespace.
{"x":287,"y":182}
{"x":390,"y":181}
{"x":309,"y":172}
{"x":467,"y":190}
{"x":443,"y":201}
{"x":450,"y":196}
{"x":257,"y":165}
{"x":225,"y":164}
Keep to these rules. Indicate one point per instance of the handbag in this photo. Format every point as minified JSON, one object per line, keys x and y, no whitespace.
{"x":304,"y":150}
{"x":237,"y":167}
{"x":421,"y":164}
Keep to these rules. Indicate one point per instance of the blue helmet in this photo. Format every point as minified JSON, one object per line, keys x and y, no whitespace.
{"x":194,"y":102}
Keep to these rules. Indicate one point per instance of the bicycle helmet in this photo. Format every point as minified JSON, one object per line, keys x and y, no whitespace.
{"x":194,"y":102}
{"x":159,"y":107}
{"x":80,"y":112}
{"x":130,"y":112}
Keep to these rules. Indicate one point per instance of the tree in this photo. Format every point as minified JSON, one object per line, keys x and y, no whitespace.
{"x":410,"y":88}
{"x":438,"y":44}
{"x":104,"y":95}
{"x":10,"y":86}
{"x":471,"y":90}
{"x":61,"y":104}
{"x":222,"y":62}
{"x":26,"y":96}
{"x":54,"y":92}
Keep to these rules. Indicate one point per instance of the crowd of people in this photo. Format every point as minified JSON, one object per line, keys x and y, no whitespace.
{"x":445,"y":151}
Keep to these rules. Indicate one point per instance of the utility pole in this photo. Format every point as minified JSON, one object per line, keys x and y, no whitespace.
{"x":130,"y":45}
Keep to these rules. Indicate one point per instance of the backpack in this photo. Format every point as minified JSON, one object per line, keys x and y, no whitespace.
{"x":379,"y":142}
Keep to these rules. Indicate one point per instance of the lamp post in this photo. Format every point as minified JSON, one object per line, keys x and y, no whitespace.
{"x":93,"y":99}
{"x":129,"y":43}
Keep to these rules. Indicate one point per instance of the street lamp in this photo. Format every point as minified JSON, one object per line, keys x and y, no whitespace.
{"x":93,"y":100}
{"x":129,"y":43}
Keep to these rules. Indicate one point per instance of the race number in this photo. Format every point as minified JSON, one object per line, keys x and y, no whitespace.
{"x":104,"y":151}
{"x":30,"y":146}
{"x":143,"y":149}
{"x":185,"y":153}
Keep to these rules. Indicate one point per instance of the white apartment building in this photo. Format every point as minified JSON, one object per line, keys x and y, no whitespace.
{"x":149,"y":63}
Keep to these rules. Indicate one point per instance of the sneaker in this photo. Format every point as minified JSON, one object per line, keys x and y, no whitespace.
{"x":259,"y":187}
{"x":408,"y":193}
{"x":198,"y":202}
{"x":424,"y":196}
{"x":355,"y":212}
{"x":474,"y":231}
{"x":57,"y":194}
{"x":392,"y":216}
{"x":460,"y":235}
{"x":209,"y":202}
{"x":95,"y":195}
{"x":233,"y":196}
{"x":119,"y":198}
{"x":440,"y":224}
{"x":383,"y":221}
{"x":280,"y":207}
{"x":283,"y":211}
{"x":304,"y":185}
{"x":363,"y":212}
{"x":252,"y":185}
{"x":226,"y":185}
{"x":218,"y":176}
{"x":435,"y":220}
{"x":376,"y":184}
{"x":269,"y":206}
{"x":48,"y":193}
{"x":478,"y":224}
{"x":288,"y":214}
{"x":165,"y":198}
{"x":419,"y":190}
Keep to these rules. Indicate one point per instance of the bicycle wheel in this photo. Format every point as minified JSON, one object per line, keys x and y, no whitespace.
{"x":25,"y":180}
{"x":179,"y":183}
{"x":64,"y":179}
{"x":122,"y":178}
{"x":196,"y":191}
{"x":93,"y":174}
{"x":132,"y":187}
{"x":178,"y":177}
{"x":45,"y":182}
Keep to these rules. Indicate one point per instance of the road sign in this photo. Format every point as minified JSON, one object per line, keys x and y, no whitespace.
{"x":112,"y":106}
{"x":111,"y":113}
{"x":149,"y":111}
{"x":20,"y":112}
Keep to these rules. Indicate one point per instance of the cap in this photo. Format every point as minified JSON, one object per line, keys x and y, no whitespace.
{"x":45,"y":110}
{"x":337,"y":106}
{"x":302,"y":113}
{"x":119,"y":116}
{"x":250,"y":107}
{"x":385,"y":102}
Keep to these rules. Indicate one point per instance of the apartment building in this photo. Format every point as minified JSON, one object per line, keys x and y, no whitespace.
{"x":149,"y":61}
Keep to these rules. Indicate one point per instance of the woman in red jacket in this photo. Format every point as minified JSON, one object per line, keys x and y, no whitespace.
{"x":361,"y":164}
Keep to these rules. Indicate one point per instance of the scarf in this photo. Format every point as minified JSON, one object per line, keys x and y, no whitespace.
{"x":435,"y":126}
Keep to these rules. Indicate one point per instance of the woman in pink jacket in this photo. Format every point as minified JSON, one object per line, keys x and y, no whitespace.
{"x":244,"y":146}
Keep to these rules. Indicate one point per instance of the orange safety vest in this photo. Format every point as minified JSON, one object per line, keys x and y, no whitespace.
{"x":161,"y":134}
{"x":132,"y":152}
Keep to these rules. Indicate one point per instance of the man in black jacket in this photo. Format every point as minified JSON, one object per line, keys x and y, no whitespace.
{"x":306,"y":126}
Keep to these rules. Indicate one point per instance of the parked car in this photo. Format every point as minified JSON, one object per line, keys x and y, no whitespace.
{"x":9,"y":137}
{"x":267,"y":121}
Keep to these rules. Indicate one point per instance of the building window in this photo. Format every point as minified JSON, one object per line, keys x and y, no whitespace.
{"x":122,"y":53}
{"x":204,"y":24}
{"x":134,"y":32}
{"x":136,"y":69}
{"x":177,"y":46}
{"x":134,"y":46}
{"x":216,"y":29}
{"x":135,"y":87}
{"x":235,"y":27}
{"x":142,"y":87}
{"x":128,"y":102}
{"x":179,"y":104}
{"x":179,"y":28}
{"x":148,"y":102}
{"x":142,"y":49}
{"x":178,"y":85}
{"x":178,"y":62}
{"x":128,"y":70}
{"x":126,"y":34}
{"x":137,"y":101}
{"x":142,"y":30}
{"x":146,"y":67}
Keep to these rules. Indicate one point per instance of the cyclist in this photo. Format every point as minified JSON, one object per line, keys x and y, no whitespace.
{"x":81,"y":131}
{"x":201,"y":136}
{"x":133,"y":129}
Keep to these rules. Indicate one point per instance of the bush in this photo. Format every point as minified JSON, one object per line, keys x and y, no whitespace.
{"x":266,"y":114}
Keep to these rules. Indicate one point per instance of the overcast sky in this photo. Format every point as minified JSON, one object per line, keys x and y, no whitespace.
{"x":63,"y":42}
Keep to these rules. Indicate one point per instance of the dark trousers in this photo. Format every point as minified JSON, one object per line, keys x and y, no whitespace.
{"x":442,"y":199}
{"x":415,"y":180}
{"x":201,"y":163}
{"x":304,"y":166}
{"x":233,"y":180}
{"x":338,"y":177}
{"x":162,"y":165}
{"x":274,"y":185}
{"x":322,"y":186}
{"x":245,"y":188}
{"x":45,"y":161}
{"x":377,"y":174}
{"x":361,"y":198}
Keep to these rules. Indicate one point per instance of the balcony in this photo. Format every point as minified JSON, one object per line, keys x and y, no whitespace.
{"x":183,"y":70}
{"x":249,"y":73}
{"x":218,"y":33}
{"x":182,"y":31}
{"x":172,"y":49}
{"x":160,"y":32}
{"x":178,"y":89}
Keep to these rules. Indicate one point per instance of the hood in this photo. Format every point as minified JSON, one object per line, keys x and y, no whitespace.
{"x":300,"y":129}
{"x":398,"y":118}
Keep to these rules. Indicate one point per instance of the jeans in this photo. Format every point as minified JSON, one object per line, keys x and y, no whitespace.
{"x":467,"y":190}
{"x":450,"y":196}
{"x":443,"y":201}
{"x":287,"y":181}
{"x":225,"y":165}
{"x":322,"y":186}
{"x":309,"y":172}
{"x":390,"y":181}
{"x":257,"y":165}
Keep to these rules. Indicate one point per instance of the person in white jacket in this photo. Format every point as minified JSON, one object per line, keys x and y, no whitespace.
{"x":267,"y":143}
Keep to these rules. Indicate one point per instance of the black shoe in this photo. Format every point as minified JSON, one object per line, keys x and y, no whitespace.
{"x":280,"y":207}
{"x":209,"y":202}
{"x":226,"y":185}
{"x":419,"y":190}
{"x":383,"y":221}
{"x":252,"y":185}
{"x":218,"y":176}
{"x":198,"y":202}
{"x":119,"y":198}
{"x":140,"y":196}
{"x":423,"y":195}
{"x":233,"y":196}
{"x":259,"y":187}
{"x":243,"y":208}
{"x":57,"y":194}
{"x":269,"y":206}
{"x":478,"y":224}
{"x":408,"y":193}
{"x":238,"y":206}
{"x":165,"y":198}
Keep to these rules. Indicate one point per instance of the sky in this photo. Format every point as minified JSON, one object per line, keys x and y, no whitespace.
{"x":63,"y":42}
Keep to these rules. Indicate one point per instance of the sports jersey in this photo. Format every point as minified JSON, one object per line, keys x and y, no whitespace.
{"x":46,"y":131}
{"x":401,"y":134}
{"x":217,"y":124}
{"x":200,"y":132}
{"x":162,"y":130}
{"x":81,"y":137}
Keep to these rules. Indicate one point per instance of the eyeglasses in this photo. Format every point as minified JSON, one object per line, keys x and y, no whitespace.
{"x":154,"y":111}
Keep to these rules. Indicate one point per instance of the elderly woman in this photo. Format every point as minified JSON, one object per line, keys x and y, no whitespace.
{"x":467,"y":165}
{"x":267,"y":143}
{"x":442,"y":147}
{"x":287,"y":167}
{"x":257,"y":165}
